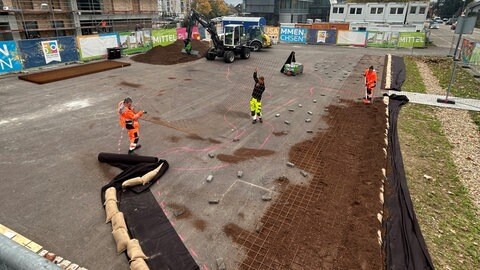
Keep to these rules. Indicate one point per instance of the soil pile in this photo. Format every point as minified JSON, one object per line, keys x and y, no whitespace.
{"x":172,"y":54}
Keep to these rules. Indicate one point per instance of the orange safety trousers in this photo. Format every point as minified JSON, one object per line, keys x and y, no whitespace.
{"x":129,"y":119}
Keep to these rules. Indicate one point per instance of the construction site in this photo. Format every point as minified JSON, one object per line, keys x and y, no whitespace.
{"x":315,"y":181}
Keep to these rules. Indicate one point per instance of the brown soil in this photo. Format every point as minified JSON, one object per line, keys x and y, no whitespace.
{"x":172,"y":54}
{"x":180,"y":211}
{"x":174,"y":139}
{"x":330,"y":223}
{"x":243,"y":154}
{"x":71,"y":72}
{"x":200,"y":224}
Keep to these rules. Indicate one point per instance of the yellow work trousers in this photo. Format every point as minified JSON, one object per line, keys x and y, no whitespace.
{"x":255,"y":108}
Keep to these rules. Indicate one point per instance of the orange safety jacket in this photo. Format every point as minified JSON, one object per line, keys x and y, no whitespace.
{"x":128,"y":118}
{"x":370,"y":78}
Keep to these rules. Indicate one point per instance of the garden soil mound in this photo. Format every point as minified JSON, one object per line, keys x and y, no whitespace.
{"x":172,"y":54}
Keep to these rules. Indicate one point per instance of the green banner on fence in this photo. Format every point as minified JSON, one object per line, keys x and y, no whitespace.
{"x":382,"y":39}
{"x":135,"y":41}
{"x":164,"y":37}
{"x":411,"y":40}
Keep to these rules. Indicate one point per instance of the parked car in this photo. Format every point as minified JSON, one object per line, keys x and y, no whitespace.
{"x":451,"y":21}
{"x":434,"y":26}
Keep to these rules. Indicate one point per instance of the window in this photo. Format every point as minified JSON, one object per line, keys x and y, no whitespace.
{"x":5,"y":33}
{"x":335,"y":10}
{"x":56,"y":25}
{"x":355,"y":10}
{"x":398,"y":10}
{"x":422,"y":10}
{"x":28,"y":26}
{"x":340,"y":10}
{"x":376,"y":10}
{"x":413,"y":10}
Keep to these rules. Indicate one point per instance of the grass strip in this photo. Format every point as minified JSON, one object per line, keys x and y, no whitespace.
{"x":444,"y":210}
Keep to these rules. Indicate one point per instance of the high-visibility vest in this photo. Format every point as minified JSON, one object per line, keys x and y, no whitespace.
{"x":370,"y":78}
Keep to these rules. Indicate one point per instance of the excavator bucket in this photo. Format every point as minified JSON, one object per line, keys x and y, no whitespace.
{"x":188,"y":48}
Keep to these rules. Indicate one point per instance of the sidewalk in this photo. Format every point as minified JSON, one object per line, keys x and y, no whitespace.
{"x":427,"y":99}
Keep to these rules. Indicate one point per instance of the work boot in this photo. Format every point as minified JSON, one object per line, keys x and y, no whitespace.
{"x":254,"y":121}
{"x":138,"y":146}
{"x":260,"y":119}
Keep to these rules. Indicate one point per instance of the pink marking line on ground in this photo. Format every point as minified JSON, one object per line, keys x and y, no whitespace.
{"x":188,"y":149}
{"x":205,"y":267}
{"x":194,"y":253}
{"x":201,"y":168}
{"x":228,"y":74}
{"x":269,"y":135}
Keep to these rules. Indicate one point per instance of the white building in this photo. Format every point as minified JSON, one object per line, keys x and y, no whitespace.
{"x":392,"y":13}
{"x":174,"y":7}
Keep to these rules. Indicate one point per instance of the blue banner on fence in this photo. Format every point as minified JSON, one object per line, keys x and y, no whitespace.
{"x":318,"y":36}
{"x":46,"y":51}
{"x":293,"y":35}
{"x":9,"y":57}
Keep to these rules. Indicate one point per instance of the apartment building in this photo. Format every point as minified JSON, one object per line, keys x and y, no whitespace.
{"x":392,"y":12}
{"x":177,"y":8}
{"x":287,"y":11}
{"x":24,"y":19}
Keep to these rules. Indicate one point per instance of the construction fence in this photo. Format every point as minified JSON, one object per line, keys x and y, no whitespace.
{"x":470,"y":54}
{"x":16,"y":56}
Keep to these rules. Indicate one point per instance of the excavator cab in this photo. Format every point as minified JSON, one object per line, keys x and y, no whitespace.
{"x":234,"y":35}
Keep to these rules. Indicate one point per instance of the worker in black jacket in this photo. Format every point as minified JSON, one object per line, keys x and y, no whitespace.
{"x":256,"y":100}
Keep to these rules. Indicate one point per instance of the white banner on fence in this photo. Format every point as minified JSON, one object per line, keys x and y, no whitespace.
{"x":351,"y":38}
{"x":94,"y":46}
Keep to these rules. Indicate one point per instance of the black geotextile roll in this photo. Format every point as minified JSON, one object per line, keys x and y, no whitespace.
{"x":398,"y":73}
{"x":124,"y":159}
{"x":145,"y":219}
{"x":404,"y":243}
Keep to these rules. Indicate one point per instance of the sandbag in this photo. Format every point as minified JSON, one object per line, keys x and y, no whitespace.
{"x":132,"y":182}
{"x":121,"y":238}
{"x":139,"y":264}
{"x":150,"y":175}
{"x":111,"y":195}
{"x":134,"y":251}
{"x":111,"y":208}
{"x":118,"y":221}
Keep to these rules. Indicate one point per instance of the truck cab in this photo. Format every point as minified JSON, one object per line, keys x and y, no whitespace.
{"x":256,"y":37}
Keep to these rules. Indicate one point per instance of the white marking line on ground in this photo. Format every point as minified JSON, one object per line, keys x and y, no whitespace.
{"x":245,"y":182}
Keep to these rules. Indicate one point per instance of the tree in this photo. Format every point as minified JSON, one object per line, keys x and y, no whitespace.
{"x":202,"y":6}
{"x":449,"y":8}
{"x":219,"y":8}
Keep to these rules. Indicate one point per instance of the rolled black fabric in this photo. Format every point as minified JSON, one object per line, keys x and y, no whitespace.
{"x":404,"y":245}
{"x":113,"y":158}
{"x":398,"y":73}
{"x":145,"y":219}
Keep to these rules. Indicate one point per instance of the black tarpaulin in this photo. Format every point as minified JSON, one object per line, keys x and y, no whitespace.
{"x":145,"y":219}
{"x":398,"y":73}
{"x":404,"y":243}
{"x":290,"y":59}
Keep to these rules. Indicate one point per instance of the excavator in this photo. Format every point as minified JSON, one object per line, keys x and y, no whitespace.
{"x":233,"y":42}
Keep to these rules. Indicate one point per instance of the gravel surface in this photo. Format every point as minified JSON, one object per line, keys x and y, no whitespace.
{"x":461,"y":133}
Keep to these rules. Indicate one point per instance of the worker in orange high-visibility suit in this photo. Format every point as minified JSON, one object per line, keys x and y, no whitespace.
{"x":128,"y":118}
{"x":370,"y":83}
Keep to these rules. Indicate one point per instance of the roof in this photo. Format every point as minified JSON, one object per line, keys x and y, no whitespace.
{"x":243,"y":19}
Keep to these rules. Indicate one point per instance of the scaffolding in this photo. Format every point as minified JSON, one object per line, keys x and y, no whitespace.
{"x":52,"y":18}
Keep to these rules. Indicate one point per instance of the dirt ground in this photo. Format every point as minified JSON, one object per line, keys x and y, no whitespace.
{"x":172,"y":54}
{"x":330,"y":222}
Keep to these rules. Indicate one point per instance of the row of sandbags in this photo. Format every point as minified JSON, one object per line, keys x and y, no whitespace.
{"x":119,"y":226}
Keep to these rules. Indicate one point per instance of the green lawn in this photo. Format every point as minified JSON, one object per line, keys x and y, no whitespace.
{"x":444,"y":210}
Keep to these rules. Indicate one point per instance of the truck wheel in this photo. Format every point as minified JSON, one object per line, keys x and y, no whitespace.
{"x":257,"y":46}
{"x":245,"y":53}
{"x":210,"y":54}
{"x":229,"y":57}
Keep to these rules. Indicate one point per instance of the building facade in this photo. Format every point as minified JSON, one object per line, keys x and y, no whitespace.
{"x":287,"y":11}
{"x":392,"y":12}
{"x":174,"y":7}
{"x":24,"y":19}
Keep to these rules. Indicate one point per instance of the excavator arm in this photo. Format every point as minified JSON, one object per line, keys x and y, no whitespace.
{"x":194,"y":16}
